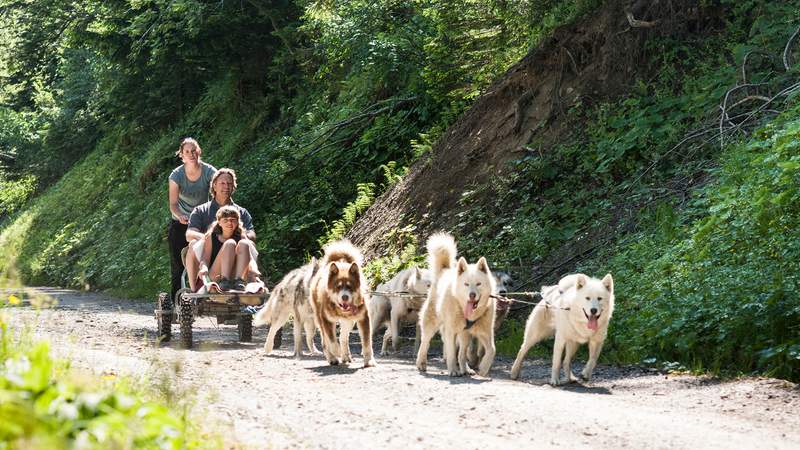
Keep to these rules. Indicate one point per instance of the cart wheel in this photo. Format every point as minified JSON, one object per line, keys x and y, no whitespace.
{"x":164,"y":317}
{"x":177,"y":301}
{"x":186,"y":320}
{"x":245,"y":327}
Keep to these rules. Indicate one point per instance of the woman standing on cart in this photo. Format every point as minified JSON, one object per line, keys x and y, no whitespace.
{"x":188,"y":187}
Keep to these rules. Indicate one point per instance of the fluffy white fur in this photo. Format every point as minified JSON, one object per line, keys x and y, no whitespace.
{"x":390,"y":311}
{"x":590,"y":304}
{"x":459,"y":305}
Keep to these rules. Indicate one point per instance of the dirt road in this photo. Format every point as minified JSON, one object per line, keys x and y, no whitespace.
{"x":278,"y":401}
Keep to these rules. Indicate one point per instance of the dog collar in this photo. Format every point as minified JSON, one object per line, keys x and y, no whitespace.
{"x":469,"y":323}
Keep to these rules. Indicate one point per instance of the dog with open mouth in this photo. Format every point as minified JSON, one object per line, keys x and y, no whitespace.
{"x":459,"y":306}
{"x":339,"y":295}
{"x":576,"y":311}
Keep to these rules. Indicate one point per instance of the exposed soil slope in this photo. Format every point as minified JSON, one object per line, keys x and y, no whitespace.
{"x":595,"y":59}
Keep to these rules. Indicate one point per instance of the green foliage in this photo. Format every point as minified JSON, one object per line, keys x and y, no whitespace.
{"x":722,"y":289}
{"x":363,"y":200}
{"x":46,"y":405}
{"x":14,"y":194}
{"x":402,"y":254}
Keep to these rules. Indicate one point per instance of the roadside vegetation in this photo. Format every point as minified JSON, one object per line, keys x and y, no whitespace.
{"x":45,"y":404}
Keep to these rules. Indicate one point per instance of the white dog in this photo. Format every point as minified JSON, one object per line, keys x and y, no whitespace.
{"x":576,"y":311}
{"x":503,"y":282}
{"x":391,"y":310}
{"x":459,"y":305}
{"x":291,"y":297}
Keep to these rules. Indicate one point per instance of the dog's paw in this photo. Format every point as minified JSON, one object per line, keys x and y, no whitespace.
{"x":572,"y":378}
{"x":555,"y":382}
{"x":469,"y":371}
{"x":370,"y":363}
{"x":586,"y":376}
{"x":422,"y":366}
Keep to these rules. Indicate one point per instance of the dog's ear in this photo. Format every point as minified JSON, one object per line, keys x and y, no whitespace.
{"x":483,"y":266}
{"x":580,"y":281}
{"x":418,"y":273}
{"x":608,"y":282}
{"x":461,"y":266}
{"x":333,"y":269}
{"x":354,"y":270}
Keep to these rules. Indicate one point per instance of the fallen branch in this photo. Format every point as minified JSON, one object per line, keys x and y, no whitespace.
{"x":787,"y":50}
{"x":636,"y":23}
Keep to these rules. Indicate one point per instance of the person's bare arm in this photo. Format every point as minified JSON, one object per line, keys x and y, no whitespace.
{"x":174,"y":190}
{"x":193,"y":234}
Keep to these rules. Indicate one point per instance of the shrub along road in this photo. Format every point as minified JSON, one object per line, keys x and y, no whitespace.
{"x":260,"y":400}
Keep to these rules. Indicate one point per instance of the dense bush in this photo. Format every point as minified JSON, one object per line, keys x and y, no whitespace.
{"x":719,"y":291}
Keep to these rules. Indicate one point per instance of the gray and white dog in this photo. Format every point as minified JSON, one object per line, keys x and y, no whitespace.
{"x":291,"y":298}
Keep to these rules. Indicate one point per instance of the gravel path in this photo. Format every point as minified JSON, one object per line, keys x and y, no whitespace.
{"x":279,"y":401}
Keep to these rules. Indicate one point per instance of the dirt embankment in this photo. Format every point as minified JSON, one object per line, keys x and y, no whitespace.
{"x":276,"y":401}
{"x":595,"y":59}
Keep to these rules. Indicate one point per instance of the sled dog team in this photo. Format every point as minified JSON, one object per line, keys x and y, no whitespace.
{"x":460,"y":305}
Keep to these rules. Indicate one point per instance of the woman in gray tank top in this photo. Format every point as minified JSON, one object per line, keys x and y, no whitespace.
{"x":188,"y":187}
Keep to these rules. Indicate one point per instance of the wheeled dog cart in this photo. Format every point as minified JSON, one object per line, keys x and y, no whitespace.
{"x":225,"y":306}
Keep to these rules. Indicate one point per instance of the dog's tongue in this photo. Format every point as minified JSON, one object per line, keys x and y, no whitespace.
{"x":592,"y":323}
{"x":469,"y":307}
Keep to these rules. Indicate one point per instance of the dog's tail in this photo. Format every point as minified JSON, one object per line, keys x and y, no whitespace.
{"x":264,"y":315}
{"x":343,"y":251}
{"x":441,"y":253}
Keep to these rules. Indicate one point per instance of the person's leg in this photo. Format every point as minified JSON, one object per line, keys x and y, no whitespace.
{"x":223,"y":264}
{"x":176,"y":237}
{"x":243,"y":252}
{"x":192,"y":266}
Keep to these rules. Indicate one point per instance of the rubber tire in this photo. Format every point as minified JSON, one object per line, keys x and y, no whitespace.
{"x":245,"y":327}
{"x":177,"y":301}
{"x":164,"y":322}
{"x":186,"y":320}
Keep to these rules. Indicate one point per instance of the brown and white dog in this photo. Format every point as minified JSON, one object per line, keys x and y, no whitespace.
{"x":339,"y":295}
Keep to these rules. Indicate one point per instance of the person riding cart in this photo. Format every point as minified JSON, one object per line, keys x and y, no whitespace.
{"x":238,"y":266}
